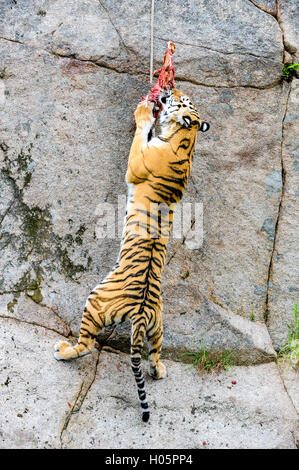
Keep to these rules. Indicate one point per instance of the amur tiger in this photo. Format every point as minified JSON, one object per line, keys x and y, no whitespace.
{"x":158,"y":170}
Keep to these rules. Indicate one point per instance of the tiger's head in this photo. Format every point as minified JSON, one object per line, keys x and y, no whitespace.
{"x":177,"y":108}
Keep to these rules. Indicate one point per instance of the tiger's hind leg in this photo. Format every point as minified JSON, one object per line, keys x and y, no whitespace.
{"x":157,"y":370}
{"x":92,"y":322}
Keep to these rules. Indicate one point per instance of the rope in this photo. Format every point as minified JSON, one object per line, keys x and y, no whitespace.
{"x":152,"y":41}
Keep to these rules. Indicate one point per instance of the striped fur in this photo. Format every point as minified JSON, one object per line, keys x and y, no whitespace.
{"x":157,"y":174}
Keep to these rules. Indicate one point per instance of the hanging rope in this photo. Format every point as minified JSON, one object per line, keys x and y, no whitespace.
{"x":152,"y":41}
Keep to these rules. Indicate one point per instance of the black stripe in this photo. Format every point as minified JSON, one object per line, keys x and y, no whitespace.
{"x":152,"y":351}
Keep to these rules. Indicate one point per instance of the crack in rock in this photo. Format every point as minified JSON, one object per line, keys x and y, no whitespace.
{"x":68,"y":333}
{"x":277,"y":15}
{"x":79,"y":400}
{"x":81,"y":395}
{"x":272,"y":13}
{"x":282,"y":193}
{"x":295,"y":434}
{"x":115,"y":28}
{"x":8,"y":317}
{"x":278,"y":19}
{"x":180,"y":78}
{"x":105,"y":65}
{"x":217,"y":50}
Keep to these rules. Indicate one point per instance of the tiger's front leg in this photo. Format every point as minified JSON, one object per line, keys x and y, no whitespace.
{"x":144,"y":119}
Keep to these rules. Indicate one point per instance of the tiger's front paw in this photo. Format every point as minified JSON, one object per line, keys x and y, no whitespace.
{"x":144,"y":114}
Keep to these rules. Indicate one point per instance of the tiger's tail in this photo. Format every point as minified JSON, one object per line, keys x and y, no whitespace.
{"x":137,"y":342}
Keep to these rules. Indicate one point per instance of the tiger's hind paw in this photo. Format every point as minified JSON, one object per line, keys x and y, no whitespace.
{"x":158,"y":372}
{"x":64,"y":351}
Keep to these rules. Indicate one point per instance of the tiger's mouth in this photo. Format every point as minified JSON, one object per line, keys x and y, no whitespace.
{"x":158,"y":108}
{"x":156,"y":114}
{"x":161,"y":102}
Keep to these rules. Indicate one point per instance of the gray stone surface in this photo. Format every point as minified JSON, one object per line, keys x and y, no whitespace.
{"x":225,"y":50}
{"x":37,"y":396}
{"x":187,"y":409}
{"x":214,"y":53}
{"x":92,"y":402}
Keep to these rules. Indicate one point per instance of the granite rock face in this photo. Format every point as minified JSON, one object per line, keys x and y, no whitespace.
{"x":71,"y":75}
{"x":224,"y":51}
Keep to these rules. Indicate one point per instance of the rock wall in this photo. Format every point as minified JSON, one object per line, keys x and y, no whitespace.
{"x":71,"y":75}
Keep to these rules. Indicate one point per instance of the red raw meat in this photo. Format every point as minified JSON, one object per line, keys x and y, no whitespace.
{"x":166,"y":74}
{"x":165,"y":79}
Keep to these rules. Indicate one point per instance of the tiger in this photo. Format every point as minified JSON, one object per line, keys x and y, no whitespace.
{"x":157,"y":173}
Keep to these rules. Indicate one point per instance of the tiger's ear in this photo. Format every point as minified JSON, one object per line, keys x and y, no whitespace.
{"x":205,"y":126}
